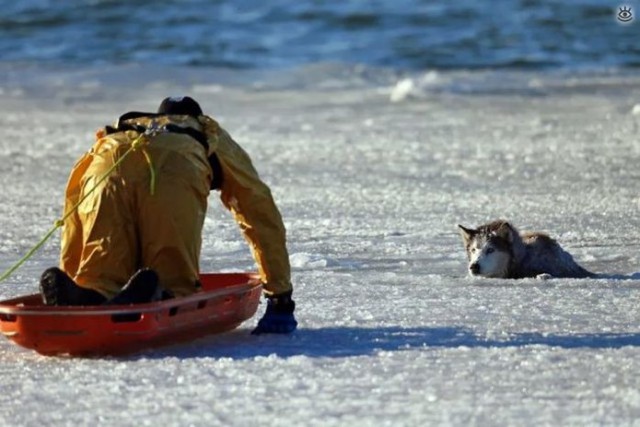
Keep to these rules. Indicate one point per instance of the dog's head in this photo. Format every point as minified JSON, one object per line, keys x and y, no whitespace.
{"x":489,"y":249}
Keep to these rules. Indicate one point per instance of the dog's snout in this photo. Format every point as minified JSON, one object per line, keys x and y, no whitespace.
{"x":474,"y":268}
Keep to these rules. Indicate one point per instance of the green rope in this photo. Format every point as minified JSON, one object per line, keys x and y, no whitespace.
{"x":60,"y":222}
{"x":152,"y":173}
{"x":17,"y":265}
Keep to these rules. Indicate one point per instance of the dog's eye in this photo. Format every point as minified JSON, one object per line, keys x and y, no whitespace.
{"x":490,"y":250}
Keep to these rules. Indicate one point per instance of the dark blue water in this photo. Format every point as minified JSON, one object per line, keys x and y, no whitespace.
{"x":258,"y":34}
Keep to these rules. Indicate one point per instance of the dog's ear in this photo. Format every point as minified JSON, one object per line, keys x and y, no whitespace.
{"x":505,"y":231}
{"x":467,"y":234}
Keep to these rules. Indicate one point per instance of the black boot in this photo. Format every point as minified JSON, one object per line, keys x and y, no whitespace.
{"x":58,"y":289}
{"x":142,"y":287}
{"x":278,"y":318}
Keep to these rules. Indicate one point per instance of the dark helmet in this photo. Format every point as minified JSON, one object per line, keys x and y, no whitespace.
{"x":183,"y":105}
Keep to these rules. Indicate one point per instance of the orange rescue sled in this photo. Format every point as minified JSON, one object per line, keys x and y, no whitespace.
{"x":226,"y":300}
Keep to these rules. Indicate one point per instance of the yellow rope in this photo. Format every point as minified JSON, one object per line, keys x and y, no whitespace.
{"x":60,"y":222}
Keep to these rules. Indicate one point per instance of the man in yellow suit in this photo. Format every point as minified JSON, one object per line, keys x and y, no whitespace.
{"x":135,"y":236}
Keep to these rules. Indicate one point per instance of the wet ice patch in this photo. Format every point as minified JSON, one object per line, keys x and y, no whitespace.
{"x":303,"y":260}
{"x":306,"y":260}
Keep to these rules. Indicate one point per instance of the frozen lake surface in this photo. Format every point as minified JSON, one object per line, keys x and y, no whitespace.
{"x":372,"y":172}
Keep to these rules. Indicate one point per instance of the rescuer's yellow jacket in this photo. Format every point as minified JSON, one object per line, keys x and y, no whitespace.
{"x":150,"y":210}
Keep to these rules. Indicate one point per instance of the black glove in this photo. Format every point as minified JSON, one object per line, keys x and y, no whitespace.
{"x":278,"y":318}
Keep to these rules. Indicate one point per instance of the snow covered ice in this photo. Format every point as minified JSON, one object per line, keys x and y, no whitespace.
{"x":372,"y":173}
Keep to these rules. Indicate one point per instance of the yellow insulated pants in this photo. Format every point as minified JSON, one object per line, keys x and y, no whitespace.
{"x":122,"y":227}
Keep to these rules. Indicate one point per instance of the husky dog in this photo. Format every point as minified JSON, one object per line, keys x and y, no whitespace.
{"x":498,"y":250}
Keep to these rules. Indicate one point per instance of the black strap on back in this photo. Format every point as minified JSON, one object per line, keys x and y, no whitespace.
{"x":200,"y":137}
{"x":124,"y":127}
{"x":195,"y":134}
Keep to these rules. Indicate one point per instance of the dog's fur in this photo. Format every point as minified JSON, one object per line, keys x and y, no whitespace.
{"x":497,"y":249}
